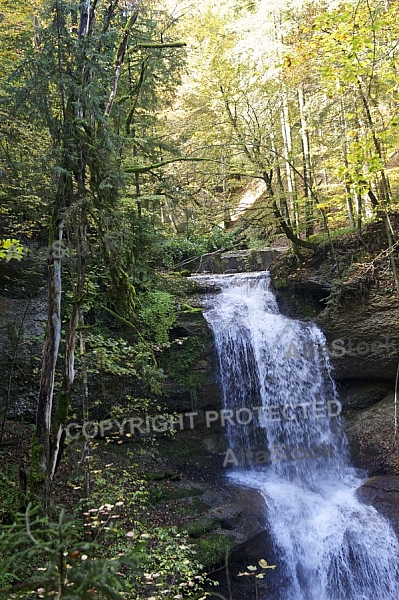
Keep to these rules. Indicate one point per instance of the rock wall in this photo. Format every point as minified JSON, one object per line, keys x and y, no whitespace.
{"x":235,"y":261}
{"x":363,"y":336}
{"x":192,"y":365}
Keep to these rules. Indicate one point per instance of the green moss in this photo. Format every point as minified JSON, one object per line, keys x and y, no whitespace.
{"x":213,"y":549}
{"x":37,"y":473}
{"x":186,"y":308}
{"x":280,"y":283}
{"x":178,"y":362}
{"x":195,"y":507}
{"x":165,"y":493}
{"x":200,"y":528}
{"x":177,"y":284}
{"x":62,"y":407}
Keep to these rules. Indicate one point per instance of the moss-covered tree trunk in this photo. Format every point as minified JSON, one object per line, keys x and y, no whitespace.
{"x":41,"y":445}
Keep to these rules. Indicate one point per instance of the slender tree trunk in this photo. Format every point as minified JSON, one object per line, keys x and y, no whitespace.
{"x":282,"y":197}
{"x":391,"y":250}
{"x":120,"y":57}
{"x":359,"y":210}
{"x":226,"y":195}
{"x":40,"y":484}
{"x":64,"y":398}
{"x":344,"y":150}
{"x":385,"y":187}
{"x":307,"y":172}
{"x":287,"y":139}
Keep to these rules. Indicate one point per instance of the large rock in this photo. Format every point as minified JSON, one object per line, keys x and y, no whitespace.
{"x":236,"y":261}
{"x":383,"y":493}
{"x":191,"y":365}
{"x":363,"y":337}
{"x":371,"y":435}
{"x":23,"y":325}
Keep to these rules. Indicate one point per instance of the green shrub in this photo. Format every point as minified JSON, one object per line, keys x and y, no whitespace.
{"x":157,"y":315}
{"x":11,"y":495}
{"x":178,"y":249}
{"x":213,"y":548}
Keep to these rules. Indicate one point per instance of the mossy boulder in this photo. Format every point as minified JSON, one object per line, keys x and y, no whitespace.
{"x":190,"y":363}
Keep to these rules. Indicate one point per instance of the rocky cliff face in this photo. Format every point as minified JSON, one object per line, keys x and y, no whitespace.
{"x":235,"y":261}
{"x":363,"y":337}
{"x":23,"y":314}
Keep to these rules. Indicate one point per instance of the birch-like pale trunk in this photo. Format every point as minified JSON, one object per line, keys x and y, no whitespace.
{"x":51,"y":345}
{"x":41,"y":445}
{"x":307,"y":172}
{"x":282,"y":196}
{"x":287,"y":140}
{"x":120,"y":57}
{"x":344,"y":151}
{"x":64,"y":398}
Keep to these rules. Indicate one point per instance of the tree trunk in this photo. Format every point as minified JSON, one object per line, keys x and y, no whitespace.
{"x":282,"y":198}
{"x":39,"y":483}
{"x":287,"y":139}
{"x":64,"y":398}
{"x":307,"y":173}
{"x":344,"y":150}
{"x":385,"y":187}
{"x":280,"y":219}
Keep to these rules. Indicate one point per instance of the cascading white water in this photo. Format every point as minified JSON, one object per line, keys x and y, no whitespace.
{"x":289,"y":444}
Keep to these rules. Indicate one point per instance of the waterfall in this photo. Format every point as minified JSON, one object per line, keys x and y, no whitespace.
{"x":285,"y":439}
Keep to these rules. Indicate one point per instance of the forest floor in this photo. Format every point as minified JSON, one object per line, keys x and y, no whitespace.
{"x":157,"y":486}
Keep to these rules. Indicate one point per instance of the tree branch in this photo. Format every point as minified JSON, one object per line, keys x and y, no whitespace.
{"x":120,"y":57}
{"x":141,"y":45}
{"x":147,"y":168}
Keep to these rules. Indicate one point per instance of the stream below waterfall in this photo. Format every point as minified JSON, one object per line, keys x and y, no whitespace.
{"x":285,"y":439}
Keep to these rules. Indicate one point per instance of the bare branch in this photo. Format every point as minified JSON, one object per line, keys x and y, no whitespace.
{"x":110,"y":13}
